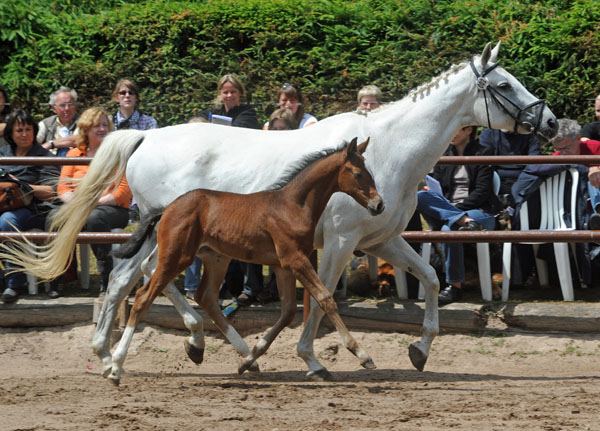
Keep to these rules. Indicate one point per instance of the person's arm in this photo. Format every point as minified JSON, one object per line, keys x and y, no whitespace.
{"x":66,"y":142}
{"x":594,"y":176}
{"x":246,"y":118}
{"x":480,"y":194}
{"x":534,"y":148}
{"x":43,"y":193}
{"x":119,"y":196}
{"x":2,"y":127}
{"x":486,"y":140}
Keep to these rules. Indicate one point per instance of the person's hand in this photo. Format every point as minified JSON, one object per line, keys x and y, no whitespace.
{"x":594,"y":176}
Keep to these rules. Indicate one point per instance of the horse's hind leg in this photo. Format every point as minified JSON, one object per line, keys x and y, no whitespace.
{"x":400,"y":254}
{"x":286,"y":285}
{"x":215,"y":267}
{"x":305,"y":273}
{"x":122,"y":279}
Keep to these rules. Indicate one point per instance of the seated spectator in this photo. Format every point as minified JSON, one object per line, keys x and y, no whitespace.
{"x":111,"y":210}
{"x":592,"y":130}
{"x":282,"y":119}
{"x":4,"y":111}
{"x":127,"y":95}
{"x":20,"y":133}
{"x":290,"y":97}
{"x":467,"y":203}
{"x":369,"y":97}
{"x":230,"y":95}
{"x":57,"y":131}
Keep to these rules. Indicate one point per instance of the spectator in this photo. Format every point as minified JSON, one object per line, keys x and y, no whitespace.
{"x":568,"y":141}
{"x":111,"y":210}
{"x":467,"y":203}
{"x":230,"y":95}
{"x":369,"y":97}
{"x":290,"y":97}
{"x":282,"y":119}
{"x":4,"y":111}
{"x":57,"y":131}
{"x":127,"y":95}
{"x":592,"y":130}
{"x":20,"y":132}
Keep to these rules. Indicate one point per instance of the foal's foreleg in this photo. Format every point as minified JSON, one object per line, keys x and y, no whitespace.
{"x":286,"y":285}
{"x":305,"y":273}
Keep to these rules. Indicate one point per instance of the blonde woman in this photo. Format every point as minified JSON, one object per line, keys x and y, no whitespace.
{"x":229,"y":103}
{"x":112,"y":208}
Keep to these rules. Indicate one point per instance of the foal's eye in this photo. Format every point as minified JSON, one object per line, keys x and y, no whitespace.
{"x":357,"y":175}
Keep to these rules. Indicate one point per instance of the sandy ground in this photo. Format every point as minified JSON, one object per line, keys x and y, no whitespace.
{"x":50,"y":380}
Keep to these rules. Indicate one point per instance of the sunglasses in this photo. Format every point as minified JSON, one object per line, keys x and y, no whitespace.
{"x":286,"y":85}
{"x":124,"y":92}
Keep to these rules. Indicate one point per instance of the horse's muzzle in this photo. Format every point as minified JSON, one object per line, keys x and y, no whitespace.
{"x":376,"y":206}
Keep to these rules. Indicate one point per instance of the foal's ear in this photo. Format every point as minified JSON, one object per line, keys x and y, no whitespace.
{"x":362,"y":147}
{"x":351,"y":148}
{"x":485,"y":55}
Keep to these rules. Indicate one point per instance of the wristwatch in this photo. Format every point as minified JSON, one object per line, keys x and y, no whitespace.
{"x":52,"y":145}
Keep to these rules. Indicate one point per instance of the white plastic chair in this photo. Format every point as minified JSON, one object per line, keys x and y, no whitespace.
{"x":552,"y":201}
{"x":84,"y":258}
{"x":483,"y":264}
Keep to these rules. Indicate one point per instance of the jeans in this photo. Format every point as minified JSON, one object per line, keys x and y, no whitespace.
{"x":594,"y":197}
{"x":440,"y":214}
{"x":192,"y":275}
{"x":22,"y":219}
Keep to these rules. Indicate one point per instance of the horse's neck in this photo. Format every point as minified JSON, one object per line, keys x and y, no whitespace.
{"x":313,"y":187}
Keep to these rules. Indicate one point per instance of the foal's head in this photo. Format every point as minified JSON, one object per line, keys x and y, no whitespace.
{"x":355,"y":180}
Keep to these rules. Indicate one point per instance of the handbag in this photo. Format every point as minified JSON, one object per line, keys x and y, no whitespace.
{"x":13,"y":193}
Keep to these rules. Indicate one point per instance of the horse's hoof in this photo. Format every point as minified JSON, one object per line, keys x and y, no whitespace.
{"x":245,"y":365}
{"x":114,"y":380}
{"x":254,"y":369}
{"x":321,"y":375}
{"x":194,"y":353}
{"x":417,"y":357}
{"x":106,"y":372}
{"x":369,"y":364}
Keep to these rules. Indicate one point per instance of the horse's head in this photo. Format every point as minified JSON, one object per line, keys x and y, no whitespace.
{"x":504,"y":102}
{"x":355,"y":180}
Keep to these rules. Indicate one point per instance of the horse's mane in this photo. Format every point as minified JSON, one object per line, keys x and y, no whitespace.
{"x":294,"y":170}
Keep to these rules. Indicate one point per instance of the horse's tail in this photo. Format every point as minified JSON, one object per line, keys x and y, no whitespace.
{"x":133,"y":245}
{"x":50,"y":260}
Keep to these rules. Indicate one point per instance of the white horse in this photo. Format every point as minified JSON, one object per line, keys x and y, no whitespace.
{"x":407,"y":139}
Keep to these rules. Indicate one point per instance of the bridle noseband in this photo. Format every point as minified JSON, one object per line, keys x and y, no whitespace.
{"x":483,"y":84}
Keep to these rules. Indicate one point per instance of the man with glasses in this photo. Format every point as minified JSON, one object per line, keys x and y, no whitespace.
{"x":57,"y":131}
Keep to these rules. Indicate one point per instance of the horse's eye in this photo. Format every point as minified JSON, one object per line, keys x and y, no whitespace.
{"x":504,"y":85}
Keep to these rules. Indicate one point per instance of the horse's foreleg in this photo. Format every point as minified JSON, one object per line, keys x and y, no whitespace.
{"x":399,"y":253}
{"x":286,"y":285}
{"x":122,"y":279}
{"x":305,"y":273}
{"x":215,"y":267}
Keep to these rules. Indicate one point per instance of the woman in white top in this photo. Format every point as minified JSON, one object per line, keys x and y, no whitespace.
{"x":290,"y":97}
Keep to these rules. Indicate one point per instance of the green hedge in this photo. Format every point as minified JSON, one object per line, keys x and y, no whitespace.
{"x":177,"y":50}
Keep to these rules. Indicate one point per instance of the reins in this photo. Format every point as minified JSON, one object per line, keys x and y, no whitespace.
{"x":483,"y":84}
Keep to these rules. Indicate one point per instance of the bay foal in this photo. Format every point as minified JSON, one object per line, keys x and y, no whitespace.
{"x":275,"y":227}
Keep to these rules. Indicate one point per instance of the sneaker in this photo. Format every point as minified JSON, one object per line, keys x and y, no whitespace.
{"x":471,"y":225}
{"x":190,"y":294}
{"x":449,"y":294}
{"x":244,"y":299}
{"x":266,"y":296}
{"x":594,"y":223}
{"x":54,"y":293}
{"x":9,"y":296}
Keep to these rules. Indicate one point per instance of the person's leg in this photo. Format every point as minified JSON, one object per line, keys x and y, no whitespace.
{"x":438,"y":211}
{"x":15,"y":282}
{"x":594,"y":222}
{"x":192,"y":277}
{"x":253,"y":283}
{"x":103,"y":219}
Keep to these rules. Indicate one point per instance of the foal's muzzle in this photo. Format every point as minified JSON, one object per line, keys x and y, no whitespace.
{"x":375,"y":206}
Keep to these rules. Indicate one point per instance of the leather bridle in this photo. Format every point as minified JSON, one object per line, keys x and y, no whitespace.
{"x":483,"y":84}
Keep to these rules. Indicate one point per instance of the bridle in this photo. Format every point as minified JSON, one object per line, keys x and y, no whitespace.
{"x":483,"y":84}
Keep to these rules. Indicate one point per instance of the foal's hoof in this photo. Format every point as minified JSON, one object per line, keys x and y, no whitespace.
{"x":321,"y":375}
{"x":417,"y":357}
{"x":194,"y":353}
{"x":369,"y":364}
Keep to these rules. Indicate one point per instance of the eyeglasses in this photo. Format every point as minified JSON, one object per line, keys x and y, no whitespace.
{"x":65,"y":105}
{"x":124,"y":92}
{"x":286,"y":85}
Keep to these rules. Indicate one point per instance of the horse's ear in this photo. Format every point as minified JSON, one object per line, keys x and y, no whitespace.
{"x":351,"y":148}
{"x":362,"y":147}
{"x":495,"y":52}
{"x":485,"y":55}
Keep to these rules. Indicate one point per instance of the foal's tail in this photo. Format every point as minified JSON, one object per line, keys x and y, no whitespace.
{"x":133,"y":245}
{"x":50,"y":260}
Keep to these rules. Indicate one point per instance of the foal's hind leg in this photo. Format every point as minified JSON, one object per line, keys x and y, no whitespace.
{"x":215,"y":267}
{"x":286,"y":285}
{"x":305,"y":273}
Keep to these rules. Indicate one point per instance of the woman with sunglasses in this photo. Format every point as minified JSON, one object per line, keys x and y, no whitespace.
{"x":127,"y":95}
{"x":290,"y":97}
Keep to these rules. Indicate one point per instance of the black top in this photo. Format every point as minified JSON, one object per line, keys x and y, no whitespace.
{"x":241,"y":115}
{"x":591,"y":131}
